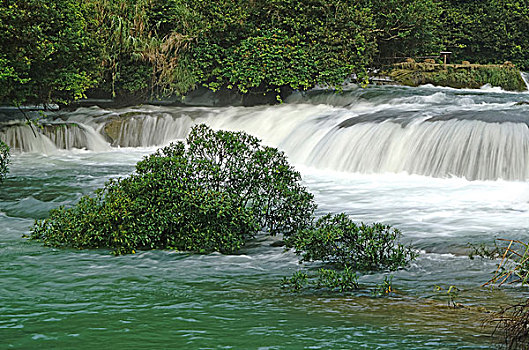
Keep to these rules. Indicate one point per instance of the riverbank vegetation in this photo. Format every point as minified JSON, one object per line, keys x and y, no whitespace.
{"x":62,"y":50}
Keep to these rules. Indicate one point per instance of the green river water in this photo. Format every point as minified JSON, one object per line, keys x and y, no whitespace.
{"x":70,"y":299}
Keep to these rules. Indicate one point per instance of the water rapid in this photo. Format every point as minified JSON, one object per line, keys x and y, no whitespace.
{"x":447,"y":167}
{"x":444,"y":133}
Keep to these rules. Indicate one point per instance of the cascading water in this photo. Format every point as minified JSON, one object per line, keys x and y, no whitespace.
{"x":348,"y":148}
{"x":442,"y":134}
{"x":48,"y":137}
{"x":525,"y":77}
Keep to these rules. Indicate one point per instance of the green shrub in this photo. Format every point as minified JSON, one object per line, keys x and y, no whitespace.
{"x":4,"y":160}
{"x":296,"y":282}
{"x":345,"y":247}
{"x":210,"y":194}
{"x":337,"y":240}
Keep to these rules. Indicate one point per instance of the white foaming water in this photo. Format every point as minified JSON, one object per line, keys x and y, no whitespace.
{"x":434,"y":132}
{"x":23,"y":138}
{"x":427,"y":209}
{"x":525,"y":77}
{"x":462,"y":148}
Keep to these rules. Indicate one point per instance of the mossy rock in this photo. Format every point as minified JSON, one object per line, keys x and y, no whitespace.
{"x":471,"y":76}
{"x":113,"y":126}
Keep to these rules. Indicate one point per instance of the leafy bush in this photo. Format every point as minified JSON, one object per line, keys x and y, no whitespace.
{"x":210,"y":194}
{"x":345,"y":247}
{"x":296,"y":282}
{"x":344,"y":280}
{"x":4,"y":160}
{"x":337,"y":240}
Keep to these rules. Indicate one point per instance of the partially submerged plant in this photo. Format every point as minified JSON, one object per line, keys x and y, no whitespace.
{"x":452,"y":292}
{"x":512,"y":325}
{"x":346,"y":247}
{"x":296,"y":282}
{"x":384,"y":288}
{"x":344,"y":280}
{"x":514,"y":264}
{"x":336,"y":239}
{"x":332,"y":280}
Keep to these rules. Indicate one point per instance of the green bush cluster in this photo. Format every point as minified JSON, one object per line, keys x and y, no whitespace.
{"x":332,"y":280}
{"x":337,"y":240}
{"x":345,"y":247}
{"x":210,"y":194}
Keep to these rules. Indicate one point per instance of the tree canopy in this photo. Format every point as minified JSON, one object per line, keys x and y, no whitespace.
{"x":57,"y":51}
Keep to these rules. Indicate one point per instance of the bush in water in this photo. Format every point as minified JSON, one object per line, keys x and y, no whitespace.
{"x":4,"y":160}
{"x":336,"y":241}
{"x":209,"y":195}
{"x":344,"y":280}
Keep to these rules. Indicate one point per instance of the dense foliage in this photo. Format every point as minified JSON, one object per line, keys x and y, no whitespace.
{"x":405,"y":28}
{"x":48,"y":51}
{"x":337,"y":240}
{"x":210,"y":194}
{"x":265,"y":45}
{"x":4,"y":160}
{"x":489,"y":32}
{"x":56,"y":51}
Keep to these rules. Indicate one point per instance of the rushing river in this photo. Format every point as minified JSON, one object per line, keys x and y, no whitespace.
{"x":447,"y":167}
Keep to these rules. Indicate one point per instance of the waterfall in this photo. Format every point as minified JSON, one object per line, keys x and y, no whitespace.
{"x":21,"y":137}
{"x":472,"y":149}
{"x":141,"y":130}
{"x":49,"y":137}
{"x":425,"y":131}
{"x":73,"y":135}
{"x":525,"y":77}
